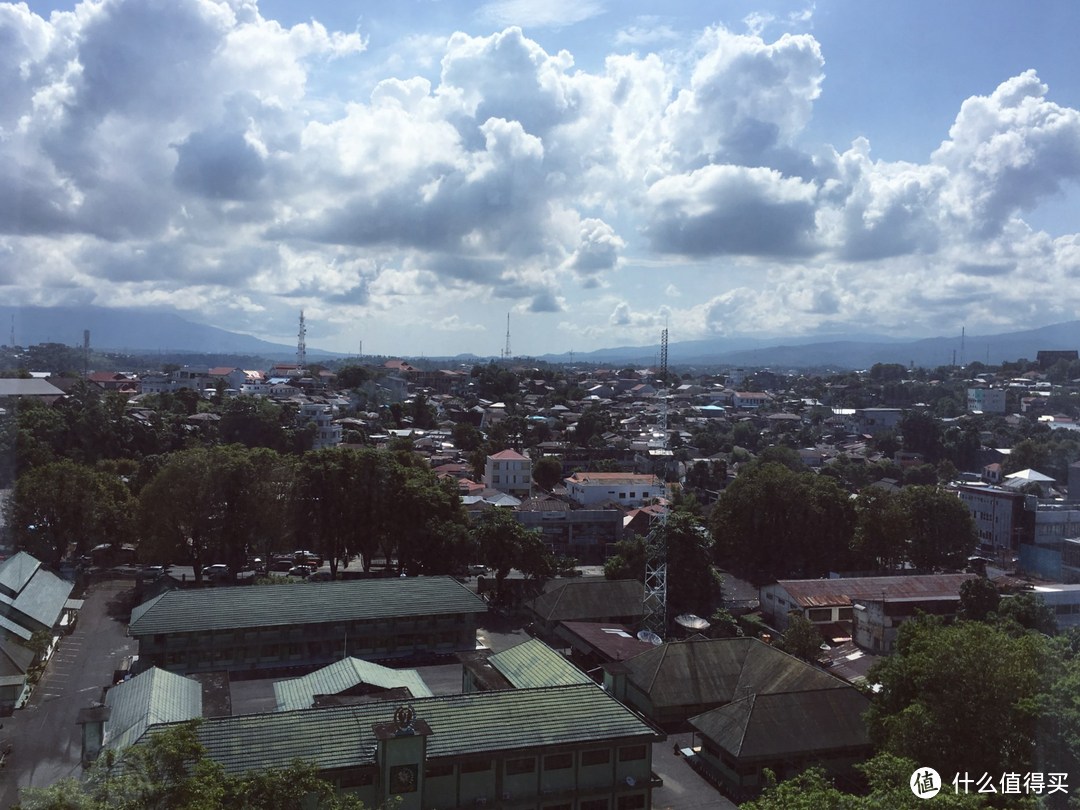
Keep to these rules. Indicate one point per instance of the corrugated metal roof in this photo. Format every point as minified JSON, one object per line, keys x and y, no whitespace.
{"x":307,"y":603}
{"x":583,"y":600}
{"x":788,"y":723}
{"x":14,"y":627}
{"x":700,"y":672}
{"x":299,"y":693}
{"x":43,"y":597}
{"x":462,"y":725}
{"x":16,"y":571}
{"x":151,"y":697}
{"x":534,"y":664}
{"x":831,"y":592}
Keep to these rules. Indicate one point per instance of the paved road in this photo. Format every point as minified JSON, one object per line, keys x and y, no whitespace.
{"x":47,"y":741}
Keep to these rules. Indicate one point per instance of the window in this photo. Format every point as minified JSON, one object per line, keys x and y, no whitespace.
{"x":845,"y":614}
{"x":522,"y":765}
{"x":556,"y":762}
{"x":630,"y":753}
{"x":635,"y":802}
{"x":475,"y":765}
{"x":633,"y":494}
{"x":594,"y":804}
{"x":434,"y":770}
{"x":819,"y":614}
{"x":597,"y":756}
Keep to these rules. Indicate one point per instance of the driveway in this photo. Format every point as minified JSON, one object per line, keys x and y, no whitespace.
{"x":47,"y":742}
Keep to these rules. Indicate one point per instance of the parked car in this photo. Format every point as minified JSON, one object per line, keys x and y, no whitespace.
{"x":300,"y":571}
{"x":216,"y":571}
{"x":304,"y":557}
{"x":281,"y":565}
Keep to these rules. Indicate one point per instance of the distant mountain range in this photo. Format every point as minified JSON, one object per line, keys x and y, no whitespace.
{"x":134,"y":332}
{"x":145,"y":332}
{"x":842,"y":351}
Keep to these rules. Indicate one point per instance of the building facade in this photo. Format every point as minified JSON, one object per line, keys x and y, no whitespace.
{"x":244,"y":629}
{"x":510,"y":472}
{"x":625,"y":489}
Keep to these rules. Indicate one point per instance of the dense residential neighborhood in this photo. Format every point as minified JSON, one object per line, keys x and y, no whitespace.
{"x":531,"y":586}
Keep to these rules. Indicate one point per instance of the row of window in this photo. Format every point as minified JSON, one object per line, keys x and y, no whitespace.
{"x":551,"y":762}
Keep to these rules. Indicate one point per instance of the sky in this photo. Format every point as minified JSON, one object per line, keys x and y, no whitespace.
{"x":410,"y":174}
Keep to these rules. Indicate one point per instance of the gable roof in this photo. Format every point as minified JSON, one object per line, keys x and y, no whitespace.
{"x":478,"y":723}
{"x":28,"y":588}
{"x":15,"y":659}
{"x":341,"y":676}
{"x":590,"y":599}
{"x":508,"y":455}
{"x":702,"y":671}
{"x":193,"y":611}
{"x":151,"y":697}
{"x":788,"y":723}
{"x":535,"y":664}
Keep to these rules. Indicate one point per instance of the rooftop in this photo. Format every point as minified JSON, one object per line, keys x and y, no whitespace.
{"x":193,"y":611}
{"x":829,"y":592}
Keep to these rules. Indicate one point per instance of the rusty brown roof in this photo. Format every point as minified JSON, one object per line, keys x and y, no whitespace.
{"x":810,"y":593}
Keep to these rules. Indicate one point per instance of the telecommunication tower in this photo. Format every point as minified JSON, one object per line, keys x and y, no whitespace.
{"x":506,"y":349}
{"x":301,"y":345}
{"x":655,"y":601}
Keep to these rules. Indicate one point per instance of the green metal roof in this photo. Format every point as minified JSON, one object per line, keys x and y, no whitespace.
{"x":151,"y":697}
{"x":788,"y":723}
{"x":299,"y":693}
{"x":699,"y":672}
{"x":200,"y":610}
{"x":591,"y":599}
{"x":462,"y":725}
{"x":534,"y":664}
{"x":29,"y":591}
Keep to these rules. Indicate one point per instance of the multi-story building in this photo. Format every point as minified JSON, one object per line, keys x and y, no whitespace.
{"x":243,"y":629}
{"x":584,"y":534}
{"x":986,"y":400}
{"x":510,"y":472}
{"x":1001,"y":517}
{"x":321,"y":415}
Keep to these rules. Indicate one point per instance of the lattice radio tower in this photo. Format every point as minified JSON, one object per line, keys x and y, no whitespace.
{"x":506,"y":349}
{"x":655,"y":601}
{"x":301,"y":345}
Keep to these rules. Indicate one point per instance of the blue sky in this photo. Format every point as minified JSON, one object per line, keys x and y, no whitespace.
{"x":409,"y":173}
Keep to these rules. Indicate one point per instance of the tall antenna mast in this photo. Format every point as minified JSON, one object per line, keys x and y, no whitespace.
{"x":301,"y":345}
{"x":13,"y":331}
{"x":506,"y":351}
{"x":654,"y":603}
{"x":963,"y":332}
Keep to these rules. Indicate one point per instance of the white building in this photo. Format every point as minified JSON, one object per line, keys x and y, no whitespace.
{"x":327,"y":432}
{"x":510,"y":472}
{"x":630,"y":489}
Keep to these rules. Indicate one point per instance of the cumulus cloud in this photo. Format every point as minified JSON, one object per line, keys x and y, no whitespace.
{"x":174,"y":153}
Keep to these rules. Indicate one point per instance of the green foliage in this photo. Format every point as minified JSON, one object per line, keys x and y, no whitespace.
{"x":801,"y":638}
{"x":772,"y":522}
{"x":547,"y":472}
{"x":1026,"y":611}
{"x":979,"y":598}
{"x":627,"y":560}
{"x":922,"y":525}
{"x":63,"y":506}
{"x":504,"y":544}
{"x":352,"y":376}
{"x":959,"y":697}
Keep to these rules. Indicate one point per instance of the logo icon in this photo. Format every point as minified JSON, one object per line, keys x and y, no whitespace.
{"x":925,"y":783}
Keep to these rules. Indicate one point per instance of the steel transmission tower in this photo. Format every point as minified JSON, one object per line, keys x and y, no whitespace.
{"x":301,"y":345}
{"x":655,"y":602}
{"x":506,"y":349}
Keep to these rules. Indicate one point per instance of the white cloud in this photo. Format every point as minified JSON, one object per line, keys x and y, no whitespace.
{"x":550,"y":14}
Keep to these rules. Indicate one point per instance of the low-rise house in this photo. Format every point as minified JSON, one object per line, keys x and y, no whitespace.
{"x":626,"y":489}
{"x":530,"y":665}
{"x":32,"y":598}
{"x":786,"y":732}
{"x":243,"y":629}
{"x":584,"y":534}
{"x":868,"y":610}
{"x":588,"y":600}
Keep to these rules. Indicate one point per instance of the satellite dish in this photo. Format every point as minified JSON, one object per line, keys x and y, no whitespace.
{"x":649,"y":637}
{"x":692,"y":622}
{"x":631,"y":781}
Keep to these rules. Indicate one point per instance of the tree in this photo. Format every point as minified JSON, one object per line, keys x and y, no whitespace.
{"x":959,"y":696}
{"x":941,"y":531}
{"x":693,"y":582}
{"x":801,"y":638}
{"x":547,"y":472}
{"x":880,"y":530}
{"x":979,"y":598}
{"x":63,"y":505}
{"x":504,"y":544}
{"x":352,"y":376}
{"x":627,"y":561}
{"x":204,"y":506}
{"x":772,"y":522}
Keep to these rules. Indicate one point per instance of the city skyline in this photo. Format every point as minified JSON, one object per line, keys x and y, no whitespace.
{"x":409,"y":175}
